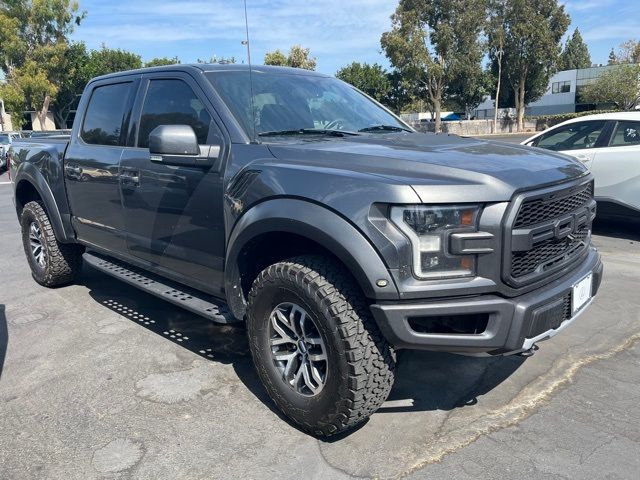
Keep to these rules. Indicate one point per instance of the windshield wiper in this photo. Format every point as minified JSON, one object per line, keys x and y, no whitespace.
{"x":307,"y":131}
{"x":384,"y":128}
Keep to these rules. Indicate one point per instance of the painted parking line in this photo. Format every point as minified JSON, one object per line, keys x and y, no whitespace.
{"x":5,"y":183}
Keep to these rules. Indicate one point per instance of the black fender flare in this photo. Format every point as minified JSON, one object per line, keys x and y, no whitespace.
{"x":318,"y":224}
{"x":29,"y":173}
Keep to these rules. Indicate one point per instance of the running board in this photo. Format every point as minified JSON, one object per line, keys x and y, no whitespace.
{"x":189,"y":299}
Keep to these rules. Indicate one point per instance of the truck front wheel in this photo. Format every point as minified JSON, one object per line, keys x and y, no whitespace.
{"x":316,"y":347}
{"x":52,"y":263}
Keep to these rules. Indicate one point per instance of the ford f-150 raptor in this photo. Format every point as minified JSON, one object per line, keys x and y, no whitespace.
{"x":291,"y":201}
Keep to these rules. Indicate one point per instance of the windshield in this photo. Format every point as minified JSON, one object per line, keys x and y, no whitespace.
{"x":4,"y":139}
{"x":291,"y":102}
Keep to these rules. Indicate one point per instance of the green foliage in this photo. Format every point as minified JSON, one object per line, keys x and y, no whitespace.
{"x":551,"y":120}
{"x":298,"y":57}
{"x":159,"y":61}
{"x":371,"y":79}
{"x":629,"y":52}
{"x":533,"y":30}
{"x":221,"y":60}
{"x":110,"y":60}
{"x":563,"y":117}
{"x":432,"y":43}
{"x":575,"y":54}
{"x":620,"y":86}
{"x":33,"y":46}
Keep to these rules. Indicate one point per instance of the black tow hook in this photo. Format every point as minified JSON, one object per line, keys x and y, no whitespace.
{"x":530,"y":352}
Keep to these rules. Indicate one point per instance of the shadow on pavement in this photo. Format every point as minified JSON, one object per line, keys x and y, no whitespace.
{"x":442,"y":381}
{"x":424,"y":380}
{"x":4,"y":337}
{"x":628,"y":229}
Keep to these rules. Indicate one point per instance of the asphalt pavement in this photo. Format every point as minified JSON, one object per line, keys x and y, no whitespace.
{"x":99,"y":380}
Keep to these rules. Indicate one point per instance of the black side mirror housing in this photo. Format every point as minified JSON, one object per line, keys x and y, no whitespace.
{"x":178,"y":140}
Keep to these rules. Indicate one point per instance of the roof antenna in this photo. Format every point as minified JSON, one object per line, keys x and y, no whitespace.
{"x":248,"y":44}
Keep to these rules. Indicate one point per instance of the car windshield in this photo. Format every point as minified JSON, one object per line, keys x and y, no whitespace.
{"x":4,"y":139}
{"x":296,"y":103}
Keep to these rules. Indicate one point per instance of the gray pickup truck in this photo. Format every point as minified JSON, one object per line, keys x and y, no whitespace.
{"x":292,"y":202}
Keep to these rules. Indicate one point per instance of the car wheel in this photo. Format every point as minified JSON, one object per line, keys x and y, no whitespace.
{"x":52,"y":263}
{"x":315,"y":345}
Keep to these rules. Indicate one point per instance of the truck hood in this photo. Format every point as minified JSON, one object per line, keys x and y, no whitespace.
{"x":440,"y":168}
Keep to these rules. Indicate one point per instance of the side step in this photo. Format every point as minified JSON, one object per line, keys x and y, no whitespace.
{"x":196,"y":302}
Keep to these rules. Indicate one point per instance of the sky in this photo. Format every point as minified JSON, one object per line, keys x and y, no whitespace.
{"x":337,"y":31}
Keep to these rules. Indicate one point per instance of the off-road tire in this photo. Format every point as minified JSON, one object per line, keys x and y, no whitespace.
{"x":63,"y":260}
{"x":360,"y":361}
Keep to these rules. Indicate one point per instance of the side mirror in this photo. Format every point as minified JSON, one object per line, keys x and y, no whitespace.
{"x":178,"y":145}
{"x":178,"y":140}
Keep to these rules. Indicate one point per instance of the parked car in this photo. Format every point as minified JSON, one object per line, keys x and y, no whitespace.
{"x":291,"y":201}
{"x":6,"y":139}
{"x":609,"y":145}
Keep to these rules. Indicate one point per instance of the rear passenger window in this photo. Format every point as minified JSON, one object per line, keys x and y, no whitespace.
{"x":105,"y":113}
{"x":172,"y":102}
{"x":627,"y":133}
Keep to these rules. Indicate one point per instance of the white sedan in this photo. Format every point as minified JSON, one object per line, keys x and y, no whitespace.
{"x":609,"y":145}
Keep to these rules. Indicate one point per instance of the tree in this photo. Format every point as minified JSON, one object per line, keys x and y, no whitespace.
{"x":73,"y":81}
{"x":110,"y":60}
{"x":533,"y":30}
{"x":159,"y":61}
{"x":28,"y":86}
{"x":33,"y":43}
{"x":220,"y":60}
{"x":298,"y":57}
{"x":371,"y":79}
{"x":432,"y":42}
{"x":575,"y":54}
{"x":629,"y":52}
{"x":496,"y":32}
{"x":620,"y":86}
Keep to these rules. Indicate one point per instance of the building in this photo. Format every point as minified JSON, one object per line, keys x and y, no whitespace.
{"x":562,"y":95}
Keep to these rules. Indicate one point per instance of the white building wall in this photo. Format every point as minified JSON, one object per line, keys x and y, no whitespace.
{"x":552,"y":103}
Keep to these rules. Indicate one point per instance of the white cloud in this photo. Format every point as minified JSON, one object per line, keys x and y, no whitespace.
{"x":335,"y":29}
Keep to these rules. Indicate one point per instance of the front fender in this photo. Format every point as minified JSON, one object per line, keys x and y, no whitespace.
{"x":318,"y":224}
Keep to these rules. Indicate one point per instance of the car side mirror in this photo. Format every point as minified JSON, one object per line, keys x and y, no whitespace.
{"x":178,"y":145}
{"x":173,"y":140}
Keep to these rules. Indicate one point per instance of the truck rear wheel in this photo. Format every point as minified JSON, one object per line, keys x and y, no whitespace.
{"x":316,"y":347}
{"x":52,"y":263}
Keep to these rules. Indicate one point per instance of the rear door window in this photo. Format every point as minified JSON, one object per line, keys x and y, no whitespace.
{"x":626,"y":134}
{"x":104,"y":119}
{"x":172,"y":102}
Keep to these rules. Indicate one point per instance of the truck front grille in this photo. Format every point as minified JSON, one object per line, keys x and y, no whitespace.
{"x":550,"y":230}
{"x":549,"y":253}
{"x":536,"y":211}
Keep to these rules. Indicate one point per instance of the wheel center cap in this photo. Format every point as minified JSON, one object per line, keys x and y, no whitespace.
{"x":302,"y":347}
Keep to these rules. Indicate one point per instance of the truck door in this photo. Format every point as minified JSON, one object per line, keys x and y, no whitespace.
{"x":174,"y":214}
{"x":91,"y":164}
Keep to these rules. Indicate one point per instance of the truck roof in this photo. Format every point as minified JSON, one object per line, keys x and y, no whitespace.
{"x":212,"y":67}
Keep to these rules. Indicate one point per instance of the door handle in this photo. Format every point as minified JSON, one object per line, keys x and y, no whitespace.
{"x":130,"y":178}
{"x":73,"y":171}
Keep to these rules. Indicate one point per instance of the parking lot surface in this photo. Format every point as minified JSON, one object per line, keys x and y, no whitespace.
{"x":98,"y":380}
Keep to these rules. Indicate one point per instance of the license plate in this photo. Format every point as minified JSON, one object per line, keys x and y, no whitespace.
{"x":581,"y":293}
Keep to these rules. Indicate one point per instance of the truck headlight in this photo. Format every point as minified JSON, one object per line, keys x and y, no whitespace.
{"x":427,"y":227}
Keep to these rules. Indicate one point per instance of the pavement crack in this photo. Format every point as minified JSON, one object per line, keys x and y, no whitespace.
{"x":520,"y":408}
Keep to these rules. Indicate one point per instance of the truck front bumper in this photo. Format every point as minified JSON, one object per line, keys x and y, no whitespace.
{"x":488,"y":324}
